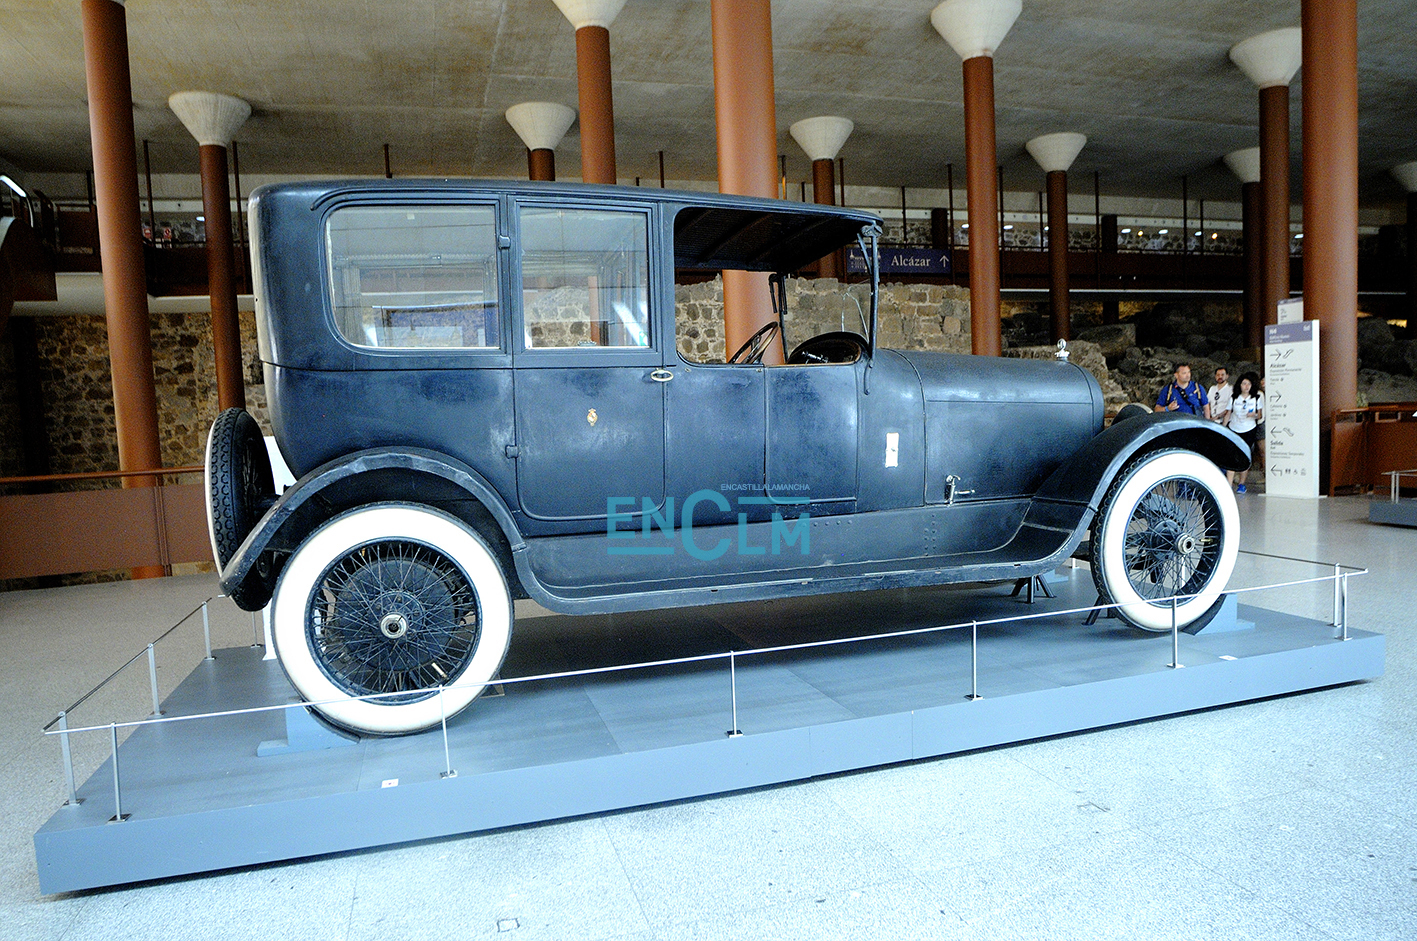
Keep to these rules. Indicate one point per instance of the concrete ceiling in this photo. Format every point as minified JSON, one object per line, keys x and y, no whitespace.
{"x":331,"y":81}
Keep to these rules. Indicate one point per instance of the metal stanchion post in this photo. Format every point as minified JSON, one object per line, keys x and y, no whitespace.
{"x":152,"y":678}
{"x":734,"y":732}
{"x":447,"y":758}
{"x":118,"y":815}
{"x":974,"y":661}
{"x":1335,"y":593}
{"x":1175,"y":639}
{"x":1343,"y":607}
{"x":207,"y":630}
{"x":73,"y":800}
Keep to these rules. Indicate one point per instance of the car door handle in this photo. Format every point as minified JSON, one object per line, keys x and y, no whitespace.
{"x":661,"y":375}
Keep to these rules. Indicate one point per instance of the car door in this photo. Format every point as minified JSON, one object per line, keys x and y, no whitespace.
{"x":714,"y":441}
{"x":812,"y":417}
{"x":589,"y":408}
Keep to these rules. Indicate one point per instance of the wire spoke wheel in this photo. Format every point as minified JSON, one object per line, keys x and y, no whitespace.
{"x":393,"y":616}
{"x":1173,"y":539}
{"x":396,"y":601}
{"x":1167,"y":529}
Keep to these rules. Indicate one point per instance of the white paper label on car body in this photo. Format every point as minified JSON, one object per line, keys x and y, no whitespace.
{"x":892,"y":449}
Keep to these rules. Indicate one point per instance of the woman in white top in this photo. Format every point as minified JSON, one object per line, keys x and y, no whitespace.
{"x":1246,"y":412}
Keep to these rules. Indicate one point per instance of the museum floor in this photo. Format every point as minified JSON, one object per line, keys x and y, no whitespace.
{"x":1286,"y":818}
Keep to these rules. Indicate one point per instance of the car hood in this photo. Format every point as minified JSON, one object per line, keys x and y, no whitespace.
{"x":949,"y":377}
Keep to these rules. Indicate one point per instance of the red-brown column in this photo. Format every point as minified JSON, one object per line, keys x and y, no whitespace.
{"x":221,"y":281}
{"x":1058,"y":253}
{"x":125,"y":292}
{"x":824,"y":192}
{"x":983,"y":194}
{"x":746,"y":121}
{"x":541,"y":164}
{"x":1330,"y":116}
{"x":597,"y":104}
{"x":1274,"y":185}
{"x":1252,"y":231}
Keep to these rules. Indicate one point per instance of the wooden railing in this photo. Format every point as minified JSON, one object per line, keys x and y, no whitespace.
{"x":1369,"y":442}
{"x":71,"y":531}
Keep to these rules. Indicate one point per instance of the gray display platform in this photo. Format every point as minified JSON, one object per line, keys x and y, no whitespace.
{"x":201,"y":799}
{"x":1402,"y":513}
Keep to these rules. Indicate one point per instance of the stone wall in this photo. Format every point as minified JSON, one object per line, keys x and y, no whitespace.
{"x":12,"y":462}
{"x":77,"y":390}
{"x":912,"y":316}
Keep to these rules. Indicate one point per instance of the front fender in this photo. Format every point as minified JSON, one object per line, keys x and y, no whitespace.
{"x":1084,"y":478}
{"x":411,"y":474}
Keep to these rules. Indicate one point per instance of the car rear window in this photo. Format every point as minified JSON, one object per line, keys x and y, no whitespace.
{"x":585,"y":278}
{"x":416,"y":277}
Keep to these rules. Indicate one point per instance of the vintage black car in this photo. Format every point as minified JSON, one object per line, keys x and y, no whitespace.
{"x":479,"y":388}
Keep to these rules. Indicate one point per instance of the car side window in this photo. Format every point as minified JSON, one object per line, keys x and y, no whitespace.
{"x":420,"y":277}
{"x":585,"y":278}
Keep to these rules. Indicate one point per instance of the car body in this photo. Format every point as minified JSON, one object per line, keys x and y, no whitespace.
{"x":479,"y":383}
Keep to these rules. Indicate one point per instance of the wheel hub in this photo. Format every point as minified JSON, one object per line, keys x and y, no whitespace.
{"x":394,"y":626}
{"x":392,"y":615}
{"x":402,"y":613}
{"x":1168,"y":540}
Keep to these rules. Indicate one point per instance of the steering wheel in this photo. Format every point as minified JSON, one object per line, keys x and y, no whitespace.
{"x":839,"y":346}
{"x":751,"y":353}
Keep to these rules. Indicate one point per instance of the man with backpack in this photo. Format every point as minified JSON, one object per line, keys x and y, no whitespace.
{"x":1183,"y":394}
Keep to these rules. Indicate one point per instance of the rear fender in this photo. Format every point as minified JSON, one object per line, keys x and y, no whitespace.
{"x":380,"y":474}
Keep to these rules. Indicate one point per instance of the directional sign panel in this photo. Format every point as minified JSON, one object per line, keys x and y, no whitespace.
{"x":1291,"y":412}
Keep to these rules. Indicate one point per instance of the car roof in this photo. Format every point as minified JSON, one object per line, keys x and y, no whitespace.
{"x":712,"y":231}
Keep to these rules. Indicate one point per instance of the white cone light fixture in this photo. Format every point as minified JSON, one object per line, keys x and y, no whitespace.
{"x":1245,"y":164}
{"x":1406,"y":174}
{"x":822,"y":137}
{"x":541,"y":124}
{"x":975,"y":27}
{"x":1056,"y":151}
{"x":1270,"y":58}
{"x":211,"y":117}
{"x":583,"y":13}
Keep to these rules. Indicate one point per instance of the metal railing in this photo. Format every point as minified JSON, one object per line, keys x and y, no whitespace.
{"x":1340,"y":574}
{"x":1395,"y":478}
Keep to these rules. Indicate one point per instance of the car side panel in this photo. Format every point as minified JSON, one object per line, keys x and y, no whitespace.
{"x":320,"y":416}
{"x":713,"y":438}
{"x":811,"y":434}
{"x":586,"y":435}
{"x":1002,"y":426}
{"x":998,"y":449}
{"x":891,"y":451}
{"x":635,"y":564}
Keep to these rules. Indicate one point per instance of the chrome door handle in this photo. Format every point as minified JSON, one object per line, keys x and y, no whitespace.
{"x":661,"y":375}
{"x":952,"y":491}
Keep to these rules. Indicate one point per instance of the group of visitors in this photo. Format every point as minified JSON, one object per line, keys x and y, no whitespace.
{"x":1239,"y":407}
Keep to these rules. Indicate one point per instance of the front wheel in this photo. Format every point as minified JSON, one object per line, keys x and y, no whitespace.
{"x":392,"y":599}
{"x":1168,"y":527}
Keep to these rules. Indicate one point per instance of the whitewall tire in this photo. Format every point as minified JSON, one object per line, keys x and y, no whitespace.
{"x":388,"y":598}
{"x":1168,"y":526}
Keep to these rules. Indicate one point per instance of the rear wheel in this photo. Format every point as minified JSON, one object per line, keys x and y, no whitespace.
{"x":392,"y":599}
{"x":1167,"y":527}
